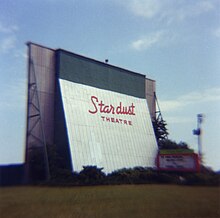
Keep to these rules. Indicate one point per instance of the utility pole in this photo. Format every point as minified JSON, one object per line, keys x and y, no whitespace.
{"x":198,"y":132}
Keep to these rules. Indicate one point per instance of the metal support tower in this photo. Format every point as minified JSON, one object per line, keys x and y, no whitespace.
{"x":198,"y":132}
{"x":161,"y":124}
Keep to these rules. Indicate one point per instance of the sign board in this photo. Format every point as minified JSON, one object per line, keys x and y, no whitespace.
{"x":178,"y":162}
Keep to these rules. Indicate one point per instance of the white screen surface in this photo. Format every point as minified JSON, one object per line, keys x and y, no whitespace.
{"x":107,"y":129}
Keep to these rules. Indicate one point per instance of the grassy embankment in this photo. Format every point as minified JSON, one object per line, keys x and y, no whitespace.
{"x":110,"y":201}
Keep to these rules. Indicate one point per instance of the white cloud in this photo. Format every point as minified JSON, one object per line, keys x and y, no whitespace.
{"x":192,"y":10}
{"x":193,"y":98}
{"x":14,"y":95}
{"x":217,"y":32}
{"x":20,"y":53}
{"x":8,"y":37}
{"x":147,"y":41}
{"x":6,"y":44}
{"x":147,"y":8}
{"x":8,"y":29}
{"x":178,"y":119}
{"x":168,"y":10}
{"x":204,"y":6}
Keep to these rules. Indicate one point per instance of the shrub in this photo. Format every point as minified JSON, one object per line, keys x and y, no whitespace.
{"x":203,"y":179}
{"x":91,"y":175}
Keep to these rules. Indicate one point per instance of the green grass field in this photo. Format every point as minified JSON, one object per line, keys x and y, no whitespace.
{"x":110,"y":201}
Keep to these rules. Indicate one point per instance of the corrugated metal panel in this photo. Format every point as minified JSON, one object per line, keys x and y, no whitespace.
{"x":40,"y":110}
{"x":150,"y":90}
{"x":43,"y":65}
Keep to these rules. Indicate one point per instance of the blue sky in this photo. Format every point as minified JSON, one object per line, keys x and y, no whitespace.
{"x":177,"y":43}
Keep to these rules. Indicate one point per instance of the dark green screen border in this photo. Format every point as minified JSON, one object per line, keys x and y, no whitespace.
{"x":79,"y":69}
